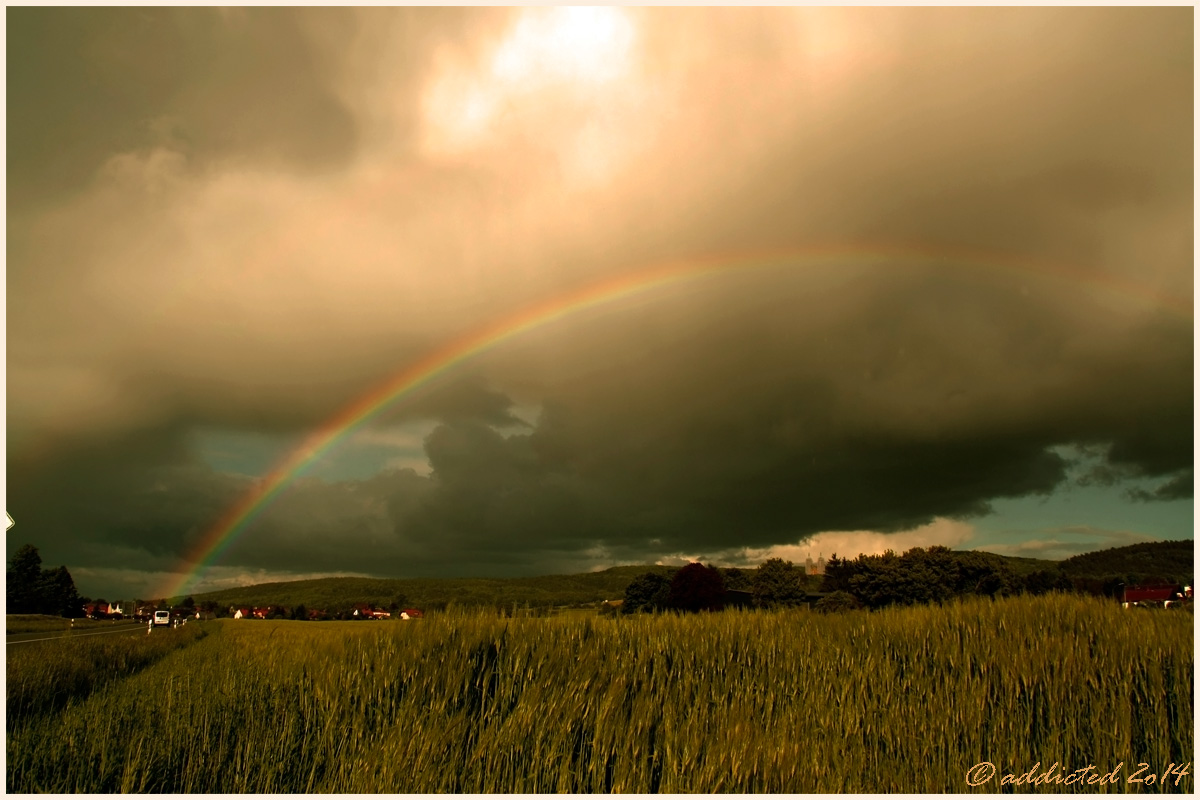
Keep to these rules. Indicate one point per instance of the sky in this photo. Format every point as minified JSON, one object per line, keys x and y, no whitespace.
{"x":933,"y":284}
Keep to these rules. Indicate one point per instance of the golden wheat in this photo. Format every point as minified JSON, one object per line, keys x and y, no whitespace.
{"x":900,"y":700}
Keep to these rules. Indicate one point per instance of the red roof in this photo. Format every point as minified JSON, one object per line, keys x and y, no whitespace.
{"x":1158,"y":593}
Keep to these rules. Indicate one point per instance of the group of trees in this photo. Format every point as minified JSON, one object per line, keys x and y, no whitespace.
{"x":1144,"y":562}
{"x":697,"y":587}
{"x":921,"y":575}
{"x":938,"y":573}
{"x":30,"y":589}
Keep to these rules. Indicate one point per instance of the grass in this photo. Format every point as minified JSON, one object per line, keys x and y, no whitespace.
{"x":40,"y":623}
{"x":41,"y":677}
{"x":900,"y":700}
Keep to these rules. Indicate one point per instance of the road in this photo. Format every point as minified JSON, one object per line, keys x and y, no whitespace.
{"x":45,"y":636}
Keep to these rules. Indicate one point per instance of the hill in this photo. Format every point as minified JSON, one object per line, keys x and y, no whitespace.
{"x":1170,"y":561}
{"x":1147,"y":562}
{"x":427,"y":593}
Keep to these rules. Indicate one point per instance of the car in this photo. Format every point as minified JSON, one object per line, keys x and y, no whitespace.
{"x":162,"y":618}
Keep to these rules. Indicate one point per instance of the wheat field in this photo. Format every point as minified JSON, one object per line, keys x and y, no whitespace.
{"x":901,"y":700}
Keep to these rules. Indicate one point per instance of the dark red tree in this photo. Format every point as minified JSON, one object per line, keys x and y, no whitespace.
{"x":697,"y":588}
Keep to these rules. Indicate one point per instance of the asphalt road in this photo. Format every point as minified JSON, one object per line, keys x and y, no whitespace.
{"x":98,"y":630}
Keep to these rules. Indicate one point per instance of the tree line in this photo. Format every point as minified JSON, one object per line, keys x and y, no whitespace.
{"x":699,"y":587}
{"x":918,"y":576}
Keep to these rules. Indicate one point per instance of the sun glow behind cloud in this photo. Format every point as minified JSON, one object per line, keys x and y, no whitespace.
{"x":560,"y":78}
{"x":583,"y":45}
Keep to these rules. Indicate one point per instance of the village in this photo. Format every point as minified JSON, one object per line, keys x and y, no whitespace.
{"x":104,"y":610}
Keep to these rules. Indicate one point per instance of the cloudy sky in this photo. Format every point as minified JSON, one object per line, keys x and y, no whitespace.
{"x":974,"y":326}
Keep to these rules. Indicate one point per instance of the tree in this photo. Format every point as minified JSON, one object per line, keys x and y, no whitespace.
{"x":984,"y":574}
{"x":837,"y":602}
{"x":933,"y":574}
{"x":300,"y":612}
{"x":778,"y":583}
{"x":647,"y":592}
{"x":22,"y":581}
{"x":58,"y":593}
{"x":736,"y":579}
{"x":881,"y":581}
{"x":697,"y":588}
{"x":838,"y":572}
{"x":1046,"y":580}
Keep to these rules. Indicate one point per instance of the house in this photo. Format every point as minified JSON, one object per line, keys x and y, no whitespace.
{"x":1160,"y":594}
{"x":739,"y":598}
{"x":241,"y":613}
{"x":103,"y":610}
{"x":365,"y":611}
{"x":411,"y":613}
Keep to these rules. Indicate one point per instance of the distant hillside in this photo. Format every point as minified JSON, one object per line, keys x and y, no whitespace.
{"x":427,"y":593}
{"x":1169,"y":561}
{"x":1022,"y":565}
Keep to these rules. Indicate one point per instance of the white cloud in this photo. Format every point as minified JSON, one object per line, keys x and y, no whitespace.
{"x":849,"y":544}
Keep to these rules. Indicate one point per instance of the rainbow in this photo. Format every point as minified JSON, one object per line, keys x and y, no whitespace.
{"x":217,"y":539}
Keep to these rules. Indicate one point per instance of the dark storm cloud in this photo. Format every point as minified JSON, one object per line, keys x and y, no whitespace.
{"x":1179,"y":487}
{"x":245,"y":220}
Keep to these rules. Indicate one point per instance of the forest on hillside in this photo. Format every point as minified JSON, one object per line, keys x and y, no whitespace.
{"x":1146,"y":562}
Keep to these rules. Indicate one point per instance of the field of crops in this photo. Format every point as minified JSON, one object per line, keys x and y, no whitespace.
{"x":41,"y":623}
{"x":901,"y":700}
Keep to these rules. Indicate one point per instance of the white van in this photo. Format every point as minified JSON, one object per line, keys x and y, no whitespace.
{"x":162,"y":617}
